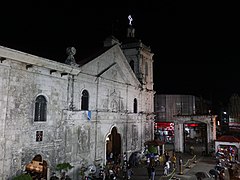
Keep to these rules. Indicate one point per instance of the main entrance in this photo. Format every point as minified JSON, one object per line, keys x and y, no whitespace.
{"x":195,"y":136}
{"x":113,"y":146}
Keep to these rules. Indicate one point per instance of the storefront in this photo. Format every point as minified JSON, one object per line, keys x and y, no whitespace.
{"x":164,"y":131}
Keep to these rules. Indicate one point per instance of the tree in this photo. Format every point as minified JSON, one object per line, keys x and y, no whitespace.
{"x":152,"y":149}
{"x":63,"y":168}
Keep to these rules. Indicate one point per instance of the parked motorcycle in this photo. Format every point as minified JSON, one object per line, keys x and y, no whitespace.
{"x":89,"y":174}
{"x":101,"y":174}
{"x":112,"y":175}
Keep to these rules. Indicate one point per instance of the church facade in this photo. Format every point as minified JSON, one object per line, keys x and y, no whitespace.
{"x":54,"y":112}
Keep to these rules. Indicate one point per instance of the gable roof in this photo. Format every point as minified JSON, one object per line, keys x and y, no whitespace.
{"x":228,"y":138}
{"x":92,"y":55}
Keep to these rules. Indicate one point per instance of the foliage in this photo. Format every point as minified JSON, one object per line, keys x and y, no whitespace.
{"x":82,"y":170}
{"x":152,"y":149}
{"x":64,"y":166}
{"x":23,"y":177}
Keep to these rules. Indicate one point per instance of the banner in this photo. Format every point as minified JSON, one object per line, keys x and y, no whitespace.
{"x":89,"y":115}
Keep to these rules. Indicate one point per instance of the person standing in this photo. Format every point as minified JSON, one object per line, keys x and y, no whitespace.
{"x":161,"y":160}
{"x":180,"y":163}
{"x":173,"y":161}
{"x":124,"y":157}
{"x":168,"y":166}
{"x":165,"y":170}
{"x":153,"y":173}
{"x":221,"y":175}
{"x":167,"y":156}
{"x":148,"y":161}
{"x":203,"y":151}
{"x":134,"y":160}
{"x":149,"y":172}
{"x":111,"y":156}
{"x":125,"y":168}
{"x":129,"y":172}
{"x":54,"y":177}
{"x":236,"y":156}
{"x":191,"y":149}
{"x":102,"y":174}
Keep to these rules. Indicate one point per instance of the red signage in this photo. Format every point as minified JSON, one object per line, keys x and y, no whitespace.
{"x":191,"y":125}
{"x":168,"y":125}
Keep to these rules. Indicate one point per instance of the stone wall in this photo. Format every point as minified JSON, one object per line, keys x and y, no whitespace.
{"x":68,"y":134}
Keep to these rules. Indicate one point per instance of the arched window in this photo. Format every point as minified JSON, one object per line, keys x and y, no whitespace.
{"x":85,"y":100}
{"x":146,"y":68}
{"x":132,"y":64}
{"x":40,"y":109}
{"x":135,"y":106}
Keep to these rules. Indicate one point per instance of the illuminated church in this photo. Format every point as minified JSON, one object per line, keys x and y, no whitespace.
{"x":76,"y":112}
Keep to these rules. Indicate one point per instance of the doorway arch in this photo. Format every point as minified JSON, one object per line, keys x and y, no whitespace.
{"x":113,"y":146}
{"x":37,"y":168}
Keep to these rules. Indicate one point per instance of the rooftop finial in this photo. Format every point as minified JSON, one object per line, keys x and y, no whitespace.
{"x":130,"y":20}
{"x":131,"y":30}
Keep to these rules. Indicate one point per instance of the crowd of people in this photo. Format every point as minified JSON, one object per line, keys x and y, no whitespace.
{"x":120,"y":165}
{"x":167,"y":161}
{"x":227,"y":163}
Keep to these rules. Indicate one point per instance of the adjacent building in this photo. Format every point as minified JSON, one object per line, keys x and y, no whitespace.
{"x":184,"y":120}
{"x":230,"y":118}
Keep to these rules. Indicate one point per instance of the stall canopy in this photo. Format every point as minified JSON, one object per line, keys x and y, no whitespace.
{"x":155,"y":146}
{"x":154,"y":142}
{"x":227,"y":140}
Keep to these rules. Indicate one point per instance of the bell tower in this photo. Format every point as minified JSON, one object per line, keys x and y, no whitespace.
{"x":139,"y":57}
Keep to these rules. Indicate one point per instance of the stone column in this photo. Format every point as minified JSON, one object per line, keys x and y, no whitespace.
{"x":178,"y":137}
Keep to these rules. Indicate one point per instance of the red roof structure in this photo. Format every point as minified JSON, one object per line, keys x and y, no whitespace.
{"x":227,"y":138}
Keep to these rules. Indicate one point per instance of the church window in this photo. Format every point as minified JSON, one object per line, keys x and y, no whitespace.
{"x":39,"y":136}
{"x":40,"y":109}
{"x":135,"y":106}
{"x":85,"y":100}
{"x":132,"y":64}
{"x":114,"y":106}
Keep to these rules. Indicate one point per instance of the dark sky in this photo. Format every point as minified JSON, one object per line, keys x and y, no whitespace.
{"x":196,"y":45}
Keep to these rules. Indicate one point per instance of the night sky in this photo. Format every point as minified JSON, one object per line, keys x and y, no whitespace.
{"x":196,"y":46}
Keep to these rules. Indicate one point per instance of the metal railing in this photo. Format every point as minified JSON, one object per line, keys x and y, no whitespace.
{"x":190,"y":162}
{"x":169,"y":176}
{"x":187,"y":165}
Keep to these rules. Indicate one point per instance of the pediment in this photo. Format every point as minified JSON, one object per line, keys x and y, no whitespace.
{"x":111,"y":65}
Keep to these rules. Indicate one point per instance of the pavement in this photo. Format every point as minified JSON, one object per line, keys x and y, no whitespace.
{"x":140,"y":172}
{"x":203,"y":164}
{"x":191,"y":165}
